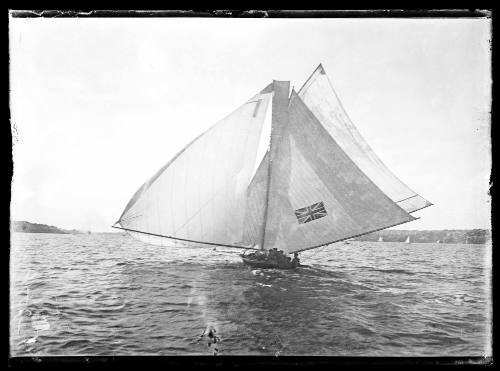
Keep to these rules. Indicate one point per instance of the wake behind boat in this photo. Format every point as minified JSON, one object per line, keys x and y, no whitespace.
{"x":285,"y":171}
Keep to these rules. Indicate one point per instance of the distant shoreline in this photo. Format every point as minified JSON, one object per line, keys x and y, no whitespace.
{"x":448,"y":236}
{"x":28,"y":227}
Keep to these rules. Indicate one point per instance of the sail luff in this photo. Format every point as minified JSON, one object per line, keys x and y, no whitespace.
{"x":279,"y":119}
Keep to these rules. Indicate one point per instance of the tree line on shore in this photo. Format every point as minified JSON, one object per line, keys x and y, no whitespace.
{"x":468,"y":236}
{"x":27,"y":227}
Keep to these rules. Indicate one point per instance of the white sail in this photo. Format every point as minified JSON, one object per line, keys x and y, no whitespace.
{"x":320,"y":97}
{"x":407,"y":239}
{"x":380,"y":239}
{"x":256,"y":205}
{"x":201,"y":194}
{"x":297,"y":183}
{"x":317,"y":194}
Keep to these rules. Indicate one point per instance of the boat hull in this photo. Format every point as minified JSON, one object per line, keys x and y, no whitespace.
{"x":262,"y":264}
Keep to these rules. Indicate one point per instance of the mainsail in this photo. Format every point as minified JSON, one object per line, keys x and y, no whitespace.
{"x":317,"y":194}
{"x":320,"y":97}
{"x":313,"y":186}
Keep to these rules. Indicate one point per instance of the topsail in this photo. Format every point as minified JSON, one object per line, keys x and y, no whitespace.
{"x":317,"y":183}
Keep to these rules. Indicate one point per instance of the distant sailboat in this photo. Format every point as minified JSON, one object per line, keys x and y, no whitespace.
{"x":380,"y":239}
{"x":438,"y":241}
{"x":317,"y":183}
{"x":407,"y":239}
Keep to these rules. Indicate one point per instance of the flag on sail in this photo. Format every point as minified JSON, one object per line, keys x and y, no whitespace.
{"x":201,"y":194}
{"x":312,"y":174}
{"x":310,"y":213}
{"x":320,"y":97}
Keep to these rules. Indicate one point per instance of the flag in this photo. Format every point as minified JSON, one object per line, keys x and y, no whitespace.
{"x":312,"y":212}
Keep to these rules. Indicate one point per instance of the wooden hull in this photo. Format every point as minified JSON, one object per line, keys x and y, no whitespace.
{"x":263,"y":264}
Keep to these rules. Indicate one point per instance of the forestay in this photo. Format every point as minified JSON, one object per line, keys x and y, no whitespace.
{"x":320,"y":97}
{"x":201,"y":194}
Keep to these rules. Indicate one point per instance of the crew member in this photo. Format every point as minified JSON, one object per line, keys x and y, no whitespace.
{"x":295,"y":260}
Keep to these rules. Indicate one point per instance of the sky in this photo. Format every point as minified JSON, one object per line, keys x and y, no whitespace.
{"x":99,"y":105}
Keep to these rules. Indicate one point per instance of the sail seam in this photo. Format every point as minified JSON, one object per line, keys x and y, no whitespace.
{"x":407,"y":198}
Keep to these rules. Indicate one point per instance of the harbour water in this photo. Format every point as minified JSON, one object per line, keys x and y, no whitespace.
{"x":108,"y":294}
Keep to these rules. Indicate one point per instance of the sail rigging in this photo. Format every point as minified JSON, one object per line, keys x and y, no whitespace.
{"x":320,"y":97}
{"x":283,"y":170}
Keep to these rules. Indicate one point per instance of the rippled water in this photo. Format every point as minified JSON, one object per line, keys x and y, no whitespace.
{"x":111,"y":295}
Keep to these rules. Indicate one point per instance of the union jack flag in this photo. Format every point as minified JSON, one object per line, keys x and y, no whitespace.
{"x":312,"y":212}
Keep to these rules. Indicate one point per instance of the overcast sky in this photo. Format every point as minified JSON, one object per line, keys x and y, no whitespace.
{"x":99,"y":105}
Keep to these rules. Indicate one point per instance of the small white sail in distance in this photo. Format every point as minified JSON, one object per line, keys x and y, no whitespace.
{"x":407,"y":239}
{"x":380,"y":239}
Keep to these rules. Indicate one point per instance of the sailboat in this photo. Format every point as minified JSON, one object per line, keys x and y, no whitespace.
{"x":285,"y":170}
{"x":380,"y":239}
{"x":407,"y":239}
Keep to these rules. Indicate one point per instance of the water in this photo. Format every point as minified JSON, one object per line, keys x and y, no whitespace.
{"x":112,"y":295}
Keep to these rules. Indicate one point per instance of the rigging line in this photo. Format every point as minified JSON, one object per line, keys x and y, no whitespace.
{"x":346,"y":238}
{"x":185,"y":239}
{"x":303,"y":87}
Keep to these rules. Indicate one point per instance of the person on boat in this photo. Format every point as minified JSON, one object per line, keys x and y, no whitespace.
{"x":271,"y":254}
{"x":296,"y":261}
{"x":256,"y":255}
{"x":281,"y":258}
{"x":261,"y":255}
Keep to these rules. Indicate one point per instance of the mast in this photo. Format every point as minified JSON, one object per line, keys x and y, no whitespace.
{"x":278,"y":121}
